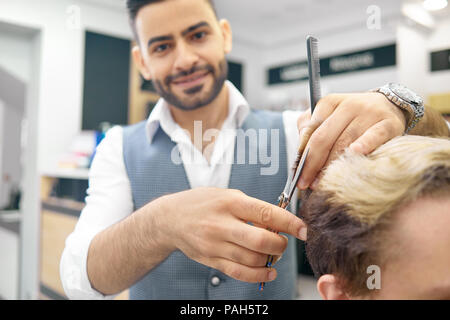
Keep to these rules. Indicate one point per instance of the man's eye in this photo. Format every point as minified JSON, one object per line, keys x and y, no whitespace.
{"x":161,"y":48}
{"x":199,"y":35}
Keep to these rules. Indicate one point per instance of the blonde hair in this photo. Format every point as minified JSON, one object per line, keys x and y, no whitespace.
{"x":394,"y":174}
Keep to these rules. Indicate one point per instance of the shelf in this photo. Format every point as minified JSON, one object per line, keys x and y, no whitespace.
{"x":63,"y":206}
{"x":82,"y":173}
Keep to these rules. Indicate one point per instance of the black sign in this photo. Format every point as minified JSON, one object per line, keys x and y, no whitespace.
{"x":344,"y":63}
{"x":106,"y":73}
{"x":440,"y":60}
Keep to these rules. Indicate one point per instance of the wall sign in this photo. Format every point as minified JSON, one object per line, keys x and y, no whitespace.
{"x":440,"y":60}
{"x":372,"y":58}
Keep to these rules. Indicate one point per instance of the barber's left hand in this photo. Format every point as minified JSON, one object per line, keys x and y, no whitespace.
{"x":361,"y":121}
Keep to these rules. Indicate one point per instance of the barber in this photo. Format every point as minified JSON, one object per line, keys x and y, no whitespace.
{"x":198,"y":230}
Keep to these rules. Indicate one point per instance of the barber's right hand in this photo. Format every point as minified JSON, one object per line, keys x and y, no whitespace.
{"x":209,"y":225}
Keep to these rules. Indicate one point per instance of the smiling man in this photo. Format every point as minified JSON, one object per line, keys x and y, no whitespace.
{"x":185,"y":78}
{"x":191,"y":81}
{"x":198,"y":230}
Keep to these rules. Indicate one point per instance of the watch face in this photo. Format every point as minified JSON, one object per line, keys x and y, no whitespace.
{"x":406,"y":94}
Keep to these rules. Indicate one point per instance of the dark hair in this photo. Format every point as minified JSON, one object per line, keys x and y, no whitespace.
{"x":134,"y":6}
{"x":340,"y":244}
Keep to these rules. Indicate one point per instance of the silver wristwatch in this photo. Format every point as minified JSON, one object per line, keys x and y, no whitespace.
{"x":406,"y":100}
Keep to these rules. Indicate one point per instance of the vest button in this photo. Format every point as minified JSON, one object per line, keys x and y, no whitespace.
{"x":215,"y":281}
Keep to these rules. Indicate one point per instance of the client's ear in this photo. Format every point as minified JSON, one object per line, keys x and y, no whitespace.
{"x":330,"y":289}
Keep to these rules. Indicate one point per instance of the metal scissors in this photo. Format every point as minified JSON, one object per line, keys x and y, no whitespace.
{"x":285,"y":198}
{"x":315,"y":93}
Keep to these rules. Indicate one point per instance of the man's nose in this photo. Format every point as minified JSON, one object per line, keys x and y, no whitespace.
{"x":186,"y":57}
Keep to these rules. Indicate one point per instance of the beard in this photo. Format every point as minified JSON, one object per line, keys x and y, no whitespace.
{"x":219,"y":76}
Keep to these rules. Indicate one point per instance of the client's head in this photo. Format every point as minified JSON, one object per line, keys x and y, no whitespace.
{"x":379,"y":225}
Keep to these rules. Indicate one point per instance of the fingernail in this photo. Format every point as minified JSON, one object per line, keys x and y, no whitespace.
{"x":272,"y":275}
{"x":302,"y":234}
{"x":302,"y":184}
{"x":356,"y":147}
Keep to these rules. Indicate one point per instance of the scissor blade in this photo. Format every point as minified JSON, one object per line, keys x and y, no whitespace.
{"x":298,"y":172}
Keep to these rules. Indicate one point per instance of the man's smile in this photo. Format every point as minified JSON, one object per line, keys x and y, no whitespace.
{"x":191,"y":80}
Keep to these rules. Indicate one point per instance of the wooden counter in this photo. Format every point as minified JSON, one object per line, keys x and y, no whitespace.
{"x":58,"y":219}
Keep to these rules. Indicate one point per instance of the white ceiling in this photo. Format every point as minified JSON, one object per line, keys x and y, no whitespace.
{"x":271,"y":22}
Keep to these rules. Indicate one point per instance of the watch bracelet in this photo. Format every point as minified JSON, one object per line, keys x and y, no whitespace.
{"x":414,"y":115}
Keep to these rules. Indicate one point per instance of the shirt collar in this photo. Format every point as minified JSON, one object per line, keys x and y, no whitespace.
{"x":160,"y":116}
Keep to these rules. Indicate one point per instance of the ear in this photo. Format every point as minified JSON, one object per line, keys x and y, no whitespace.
{"x":140,"y":63}
{"x":227,"y":34}
{"x":330,"y":289}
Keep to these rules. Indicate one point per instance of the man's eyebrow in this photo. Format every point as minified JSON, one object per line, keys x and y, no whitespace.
{"x":185,"y":32}
{"x":158,"y":39}
{"x":195,"y":26}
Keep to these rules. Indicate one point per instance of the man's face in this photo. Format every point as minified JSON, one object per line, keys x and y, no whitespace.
{"x":421,"y":238}
{"x":182,"y":50}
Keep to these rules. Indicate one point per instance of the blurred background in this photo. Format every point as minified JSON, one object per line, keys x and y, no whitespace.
{"x":66,"y":76}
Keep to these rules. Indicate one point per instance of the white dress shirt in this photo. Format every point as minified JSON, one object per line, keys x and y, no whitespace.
{"x":109,"y":197}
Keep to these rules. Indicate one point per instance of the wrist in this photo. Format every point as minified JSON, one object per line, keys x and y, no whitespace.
{"x":406,"y":100}
{"x":406,"y":117}
{"x":154,"y":216}
{"x":403,"y":114}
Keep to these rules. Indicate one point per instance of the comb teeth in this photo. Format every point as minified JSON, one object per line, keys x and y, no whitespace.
{"x":297,"y":161}
{"x":312,"y":45}
{"x":315,"y":53}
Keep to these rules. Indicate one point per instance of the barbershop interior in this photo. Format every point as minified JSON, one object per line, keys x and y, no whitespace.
{"x":67,"y":76}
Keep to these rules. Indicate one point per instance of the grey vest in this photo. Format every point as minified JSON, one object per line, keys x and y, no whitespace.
{"x":152,"y":174}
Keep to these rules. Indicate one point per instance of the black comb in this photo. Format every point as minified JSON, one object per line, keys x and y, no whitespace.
{"x":315,"y":94}
{"x":313,"y":70}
